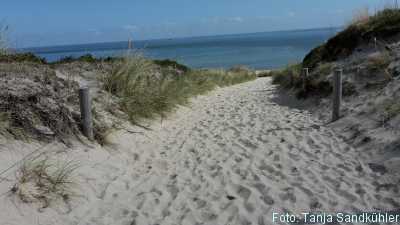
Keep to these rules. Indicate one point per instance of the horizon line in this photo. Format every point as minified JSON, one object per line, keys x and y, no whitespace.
{"x":184,"y":37}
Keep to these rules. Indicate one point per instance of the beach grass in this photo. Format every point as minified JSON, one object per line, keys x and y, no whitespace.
{"x":3,"y":39}
{"x":365,"y":29}
{"x":148,"y":90}
{"x":378,"y":62}
{"x":41,"y":180}
{"x":290,"y":77}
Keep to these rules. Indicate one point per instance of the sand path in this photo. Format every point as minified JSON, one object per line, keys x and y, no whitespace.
{"x":233,"y":157}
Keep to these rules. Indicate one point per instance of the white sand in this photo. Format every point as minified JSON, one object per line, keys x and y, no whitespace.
{"x":232,"y":143}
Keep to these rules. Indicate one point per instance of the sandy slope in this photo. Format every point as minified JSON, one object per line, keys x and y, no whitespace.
{"x":233,"y":157}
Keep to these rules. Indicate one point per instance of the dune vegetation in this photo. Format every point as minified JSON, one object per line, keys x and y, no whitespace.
{"x":365,"y":28}
{"x":147,"y":90}
{"x":40,"y":180}
{"x":3,"y":41}
{"x":365,"y":31}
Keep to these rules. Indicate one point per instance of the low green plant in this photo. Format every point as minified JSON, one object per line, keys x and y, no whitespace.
{"x":315,"y":84}
{"x":145,"y":91}
{"x":89,"y":58}
{"x":21,"y":57}
{"x":171,"y":63}
{"x":288,"y":77}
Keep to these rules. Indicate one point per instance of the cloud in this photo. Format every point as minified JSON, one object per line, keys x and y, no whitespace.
{"x":169,"y":23}
{"x":130,"y":27}
{"x":219,"y":20}
{"x":95,"y":31}
{"x":339,"y":11}
{"x":291,"y":14}
{"x":235,"y":19}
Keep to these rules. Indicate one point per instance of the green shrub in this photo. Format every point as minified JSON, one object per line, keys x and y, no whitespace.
{"x":315,"y":84}
{"x":89,"y":58}
{"x":288,"y":77}
{"x":21,"y":57}
{"x":171,"y":63}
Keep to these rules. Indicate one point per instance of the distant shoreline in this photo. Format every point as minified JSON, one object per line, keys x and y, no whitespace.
{"x":268,"y":50}
{"x":30,"y":48}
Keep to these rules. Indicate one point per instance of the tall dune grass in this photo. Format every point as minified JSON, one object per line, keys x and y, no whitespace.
{"x":360,"y":16}
{"x":385,"y":14}
{"x":3,"y":39}
{"x":148,"y":91}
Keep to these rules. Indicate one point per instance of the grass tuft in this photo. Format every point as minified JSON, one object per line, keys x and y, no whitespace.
{"x":378,"y":62}
{"x":43,"y":181}
{"x":360,"y":16}
{"x":288,"y":77}
{"x":315,"y":84}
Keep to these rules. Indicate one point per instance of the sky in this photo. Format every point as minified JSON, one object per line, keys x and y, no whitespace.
{"x":52,"y":22}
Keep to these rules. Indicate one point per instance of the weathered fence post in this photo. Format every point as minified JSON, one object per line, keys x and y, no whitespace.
{"x":129,"y":44}
{"x":291,"y":79}
{"x":337,"y":94}
{"x":86,"y":112}
{"x":304,"y":78}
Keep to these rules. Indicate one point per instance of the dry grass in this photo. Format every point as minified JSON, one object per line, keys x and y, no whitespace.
{"x":391,"y":109}
{"x":146,"y":91}
{"x":382,"y":26}
{"x":324,"y":69}
{"x":363,"y":16}
{"x":288,"y":77}
{"x":360,"y":16}
{"x":315,"y":84}
{"x":3,"y":38}
{"x":378,"y":62}
{"x":43,"y":181}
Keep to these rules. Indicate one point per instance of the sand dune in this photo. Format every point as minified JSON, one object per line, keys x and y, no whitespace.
{"x":232,"y":157}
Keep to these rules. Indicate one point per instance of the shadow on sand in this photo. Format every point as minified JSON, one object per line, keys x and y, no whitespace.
{"x":288,"y":98}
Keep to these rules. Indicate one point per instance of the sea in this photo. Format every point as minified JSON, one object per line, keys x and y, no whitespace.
{"x":264,"y":50}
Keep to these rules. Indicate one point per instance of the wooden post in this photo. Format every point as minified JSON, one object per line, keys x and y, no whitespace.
{"x":86,"y":113}
{"x":337,"y":94}
{"x":130,"y":44}
{"x":304,"y":78}
{"x":291,"y":79}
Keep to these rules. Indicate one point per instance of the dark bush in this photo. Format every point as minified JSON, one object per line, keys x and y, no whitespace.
{"x":171,"y":63}
{"x":21,"y":57}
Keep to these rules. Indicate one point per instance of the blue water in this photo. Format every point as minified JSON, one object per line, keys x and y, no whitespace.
{"x":266,"y":50}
